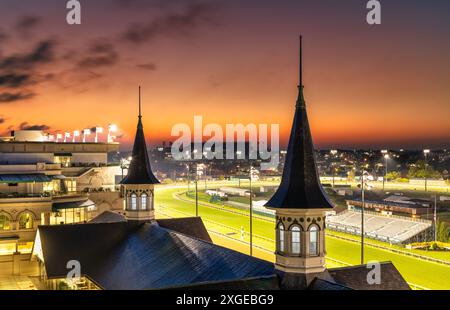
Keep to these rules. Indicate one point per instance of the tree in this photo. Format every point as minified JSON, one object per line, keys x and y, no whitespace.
{"x":443,"y":232}
{"x":351,"y":175}
{"x":420,"y":170}
{"x":393,"y":175}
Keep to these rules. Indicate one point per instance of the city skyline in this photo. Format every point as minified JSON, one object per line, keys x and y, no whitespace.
{"x":366,"y":86}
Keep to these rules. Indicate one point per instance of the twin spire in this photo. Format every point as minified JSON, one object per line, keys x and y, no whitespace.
{"x":300,"y":186}
{"x":140,"y":171}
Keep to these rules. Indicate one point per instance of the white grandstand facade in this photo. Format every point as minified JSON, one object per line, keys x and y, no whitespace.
{"x":389,"y":228}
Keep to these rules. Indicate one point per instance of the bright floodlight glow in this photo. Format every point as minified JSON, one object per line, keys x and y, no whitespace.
{"x":386,"y":156}
{"x":384,"y":151}
{"x":130,"y":158}
{"x":86,"y":131}
{"x":99,"y":129}
{"x":334,"y":152}
{"x":426,"y":151}
{"x":76,"y":133}
{"x":112,"y":127}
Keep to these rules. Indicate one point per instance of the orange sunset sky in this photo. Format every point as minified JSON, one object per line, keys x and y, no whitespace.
{"x":231,"y":62}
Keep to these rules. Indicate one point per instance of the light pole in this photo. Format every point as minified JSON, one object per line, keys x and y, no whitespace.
{"x":196,"y":196}
{"x":435,"y":218}
{"x":362,"y":215}
{"x":251,"y":213}
{"x":425,"y":153}
{"x":187,"y":177}
{"x":386,"y":156}
{"x":333,"y":169}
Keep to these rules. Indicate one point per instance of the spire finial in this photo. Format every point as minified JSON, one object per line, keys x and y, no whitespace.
{"x":140,"y":115}
{"x":300,"y":82}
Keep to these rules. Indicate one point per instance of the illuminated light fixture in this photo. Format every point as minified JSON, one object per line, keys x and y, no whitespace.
{"x":51,"y":138}
{"x":86,"y":132}
{"x":97,"y":131}
{"x":333,"y":152}
{"x":384,"y":151}
{"x":58,"y":137}
{"x":66,"y":135}
{"x":111,"y":128}
{"x":76,"y":133}
{"x":426,"y":151}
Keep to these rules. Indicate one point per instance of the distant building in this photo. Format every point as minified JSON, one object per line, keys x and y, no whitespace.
{"x":394,"y":204}
{"x":48,"y":183}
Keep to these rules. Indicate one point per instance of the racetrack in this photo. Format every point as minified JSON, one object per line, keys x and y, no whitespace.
{"x":225,"y":225}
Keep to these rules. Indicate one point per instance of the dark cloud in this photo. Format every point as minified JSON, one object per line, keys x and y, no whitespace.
{"x":171,"y":24}
{"x":100,"y":54}
{"x":12,"y":97}
{"x":3,"y":36}
{"x":2,"y":120}
{"x":22,"y":70}
{"x":14,"y":80}
{"x":26,"y":126}
{"x":41,"y":54}
{"x":148,"y":66}
{"x":27,"y":23}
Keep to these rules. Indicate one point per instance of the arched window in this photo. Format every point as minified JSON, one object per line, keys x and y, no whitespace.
{"x":313,"y":240}
{"x":144,"y":201}
{"x":295,"y":240}
{"x":280,"y":233}
{"x":26,"y":221}
{"x":133,"y":201}
{"x":4,"y":222}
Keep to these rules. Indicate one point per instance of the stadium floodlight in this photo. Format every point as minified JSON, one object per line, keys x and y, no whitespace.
{"x":111,"y":128}
{"x":97,"y":131}
{"x":333,"y":152}
{"x":425,"y":153}
{"x":384,"y":151}
{"x":51,"y":138}
{"x":86,"y":132}
{"x":66,"y":135}
{"x":76,"y":133}
{"x":58,"y":137}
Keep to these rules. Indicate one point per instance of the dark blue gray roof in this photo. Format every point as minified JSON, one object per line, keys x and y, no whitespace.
{"x":150,"y":257}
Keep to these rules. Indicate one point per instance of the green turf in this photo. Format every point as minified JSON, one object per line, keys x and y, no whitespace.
{"x":417,"y":271}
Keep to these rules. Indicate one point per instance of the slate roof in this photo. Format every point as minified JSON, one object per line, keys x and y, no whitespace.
{"x":191,"y":226}
{"x":324,"y":285}
{"x":140,"y":171}
{"x":108,"y":217}
{"x":355,"y":277}
{"x":150,"y":257}
{"x":24,"y":178}
{"x":300,"y":186}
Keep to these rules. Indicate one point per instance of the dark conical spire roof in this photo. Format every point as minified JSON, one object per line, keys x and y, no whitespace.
{"x":300,"y":186}
{"x":140,"y":171}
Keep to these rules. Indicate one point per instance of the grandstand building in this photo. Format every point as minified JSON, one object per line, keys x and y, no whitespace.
{"x":49,"y":183}
{"x":414,"y":208}
{"x":393,"y":229}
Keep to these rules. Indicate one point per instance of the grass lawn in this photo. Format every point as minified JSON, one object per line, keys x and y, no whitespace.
{"x":225,"y":229}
